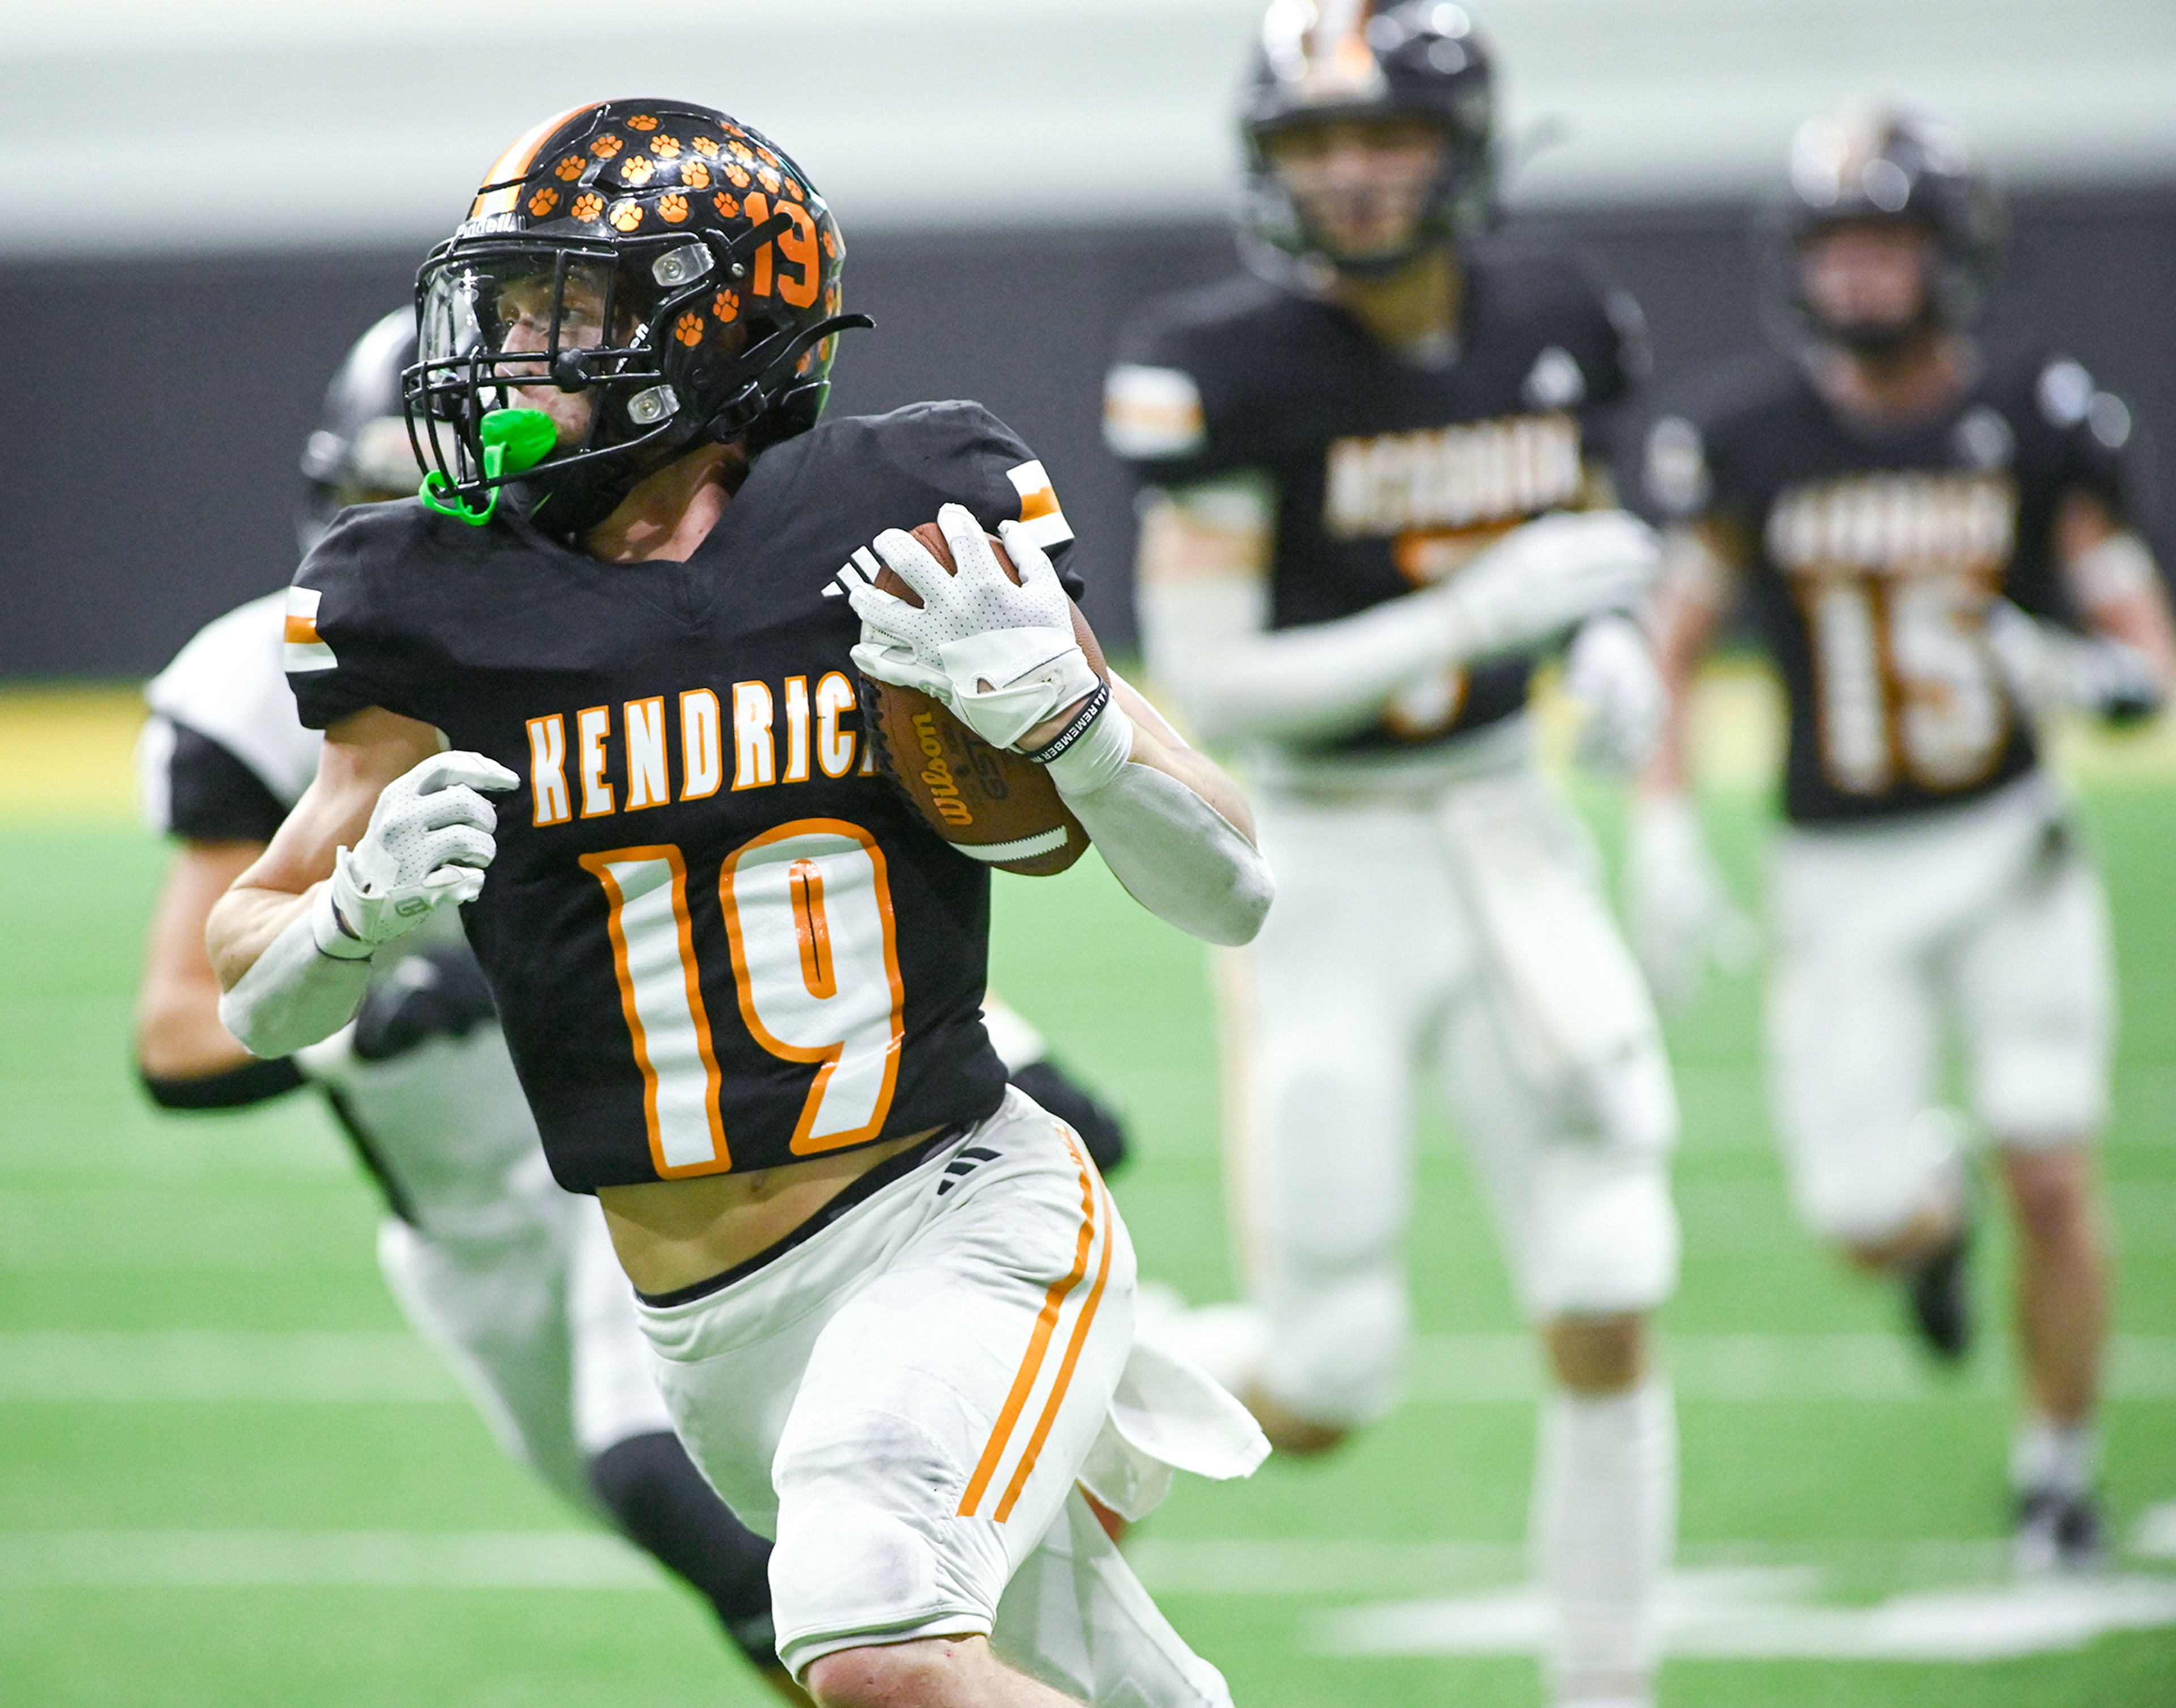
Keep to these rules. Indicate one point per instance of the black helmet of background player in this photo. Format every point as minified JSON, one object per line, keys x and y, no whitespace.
{"x":650,"y":276}
{"x":1320,"y":61}
{"x":360,"y":453}
{"x":1881,"y":167}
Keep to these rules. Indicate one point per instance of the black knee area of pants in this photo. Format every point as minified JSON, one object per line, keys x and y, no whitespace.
{"x":651,"y":1487}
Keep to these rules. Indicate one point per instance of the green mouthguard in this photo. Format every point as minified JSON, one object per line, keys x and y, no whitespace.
{"x":515,"y":441}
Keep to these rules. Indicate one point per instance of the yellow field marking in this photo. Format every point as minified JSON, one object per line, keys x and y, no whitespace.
{"x":67,"y":753}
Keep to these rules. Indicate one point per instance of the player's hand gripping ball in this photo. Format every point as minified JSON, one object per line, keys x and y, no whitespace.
{"x":968,"y":643}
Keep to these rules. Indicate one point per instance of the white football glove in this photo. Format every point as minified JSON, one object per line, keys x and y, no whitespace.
{"x":2048,"y":668}
{"x":1002,"y":657}
{"x":1611,"y":675}
{"x":1546,"y":576}
{"x":1682,"y":918}
{"x":429,"y":840}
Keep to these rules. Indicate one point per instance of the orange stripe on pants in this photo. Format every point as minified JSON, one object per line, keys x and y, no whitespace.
{"x":1064,"y":1377}
{"x":1038,"y":1344}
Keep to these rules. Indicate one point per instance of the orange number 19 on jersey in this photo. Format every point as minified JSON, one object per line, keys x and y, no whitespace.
{"x":808,"y":921}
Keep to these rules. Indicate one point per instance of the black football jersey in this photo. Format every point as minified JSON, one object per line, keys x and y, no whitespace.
{"x":1388,"y":474}
{"x":1872,"y":559}
{"x":719,"y":937}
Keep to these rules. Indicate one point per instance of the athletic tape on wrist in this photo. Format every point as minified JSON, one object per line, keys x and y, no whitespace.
{"x":1097,"y":755}
{"x":331,"y":933}
{"x":294,"y":993}
{"x":1089,"y":710}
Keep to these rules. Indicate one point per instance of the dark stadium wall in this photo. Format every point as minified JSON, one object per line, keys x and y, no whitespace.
{"x":156,"y":407}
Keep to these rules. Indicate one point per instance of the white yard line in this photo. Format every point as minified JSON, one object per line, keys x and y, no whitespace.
{"x":382,"y":1559}
{"x":130,"y":1367}
{"x":1775,"y":1614}
{"x":1729,"y":1602}
{"x":1349,"y":1568}
{"x":126,"y":1367}
{"x":1464,"y":1370}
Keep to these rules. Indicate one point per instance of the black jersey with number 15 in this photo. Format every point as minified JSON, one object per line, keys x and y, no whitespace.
{"x":1388,"y":474}
{"x":718,"y":936}
{"x":1872,"y":556}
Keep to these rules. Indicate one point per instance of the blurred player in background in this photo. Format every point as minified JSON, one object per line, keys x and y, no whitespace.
{"x":511,"y":1278}
{"x":1374,"y":498}
{"x":1935,"y":544}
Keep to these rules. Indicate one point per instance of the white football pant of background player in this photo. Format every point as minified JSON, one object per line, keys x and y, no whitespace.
{"x":1442,"y":910}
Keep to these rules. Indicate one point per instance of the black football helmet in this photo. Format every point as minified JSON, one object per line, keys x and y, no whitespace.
{"x":1884,"y":165}
{"x":360,"y":451}
{"x":707,"y":270}
{"x":1359,"y":58}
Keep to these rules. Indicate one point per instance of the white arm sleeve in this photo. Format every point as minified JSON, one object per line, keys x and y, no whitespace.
{"x":296,"y":994}
{"x":1175,"y":854}
{"x":1209,"y":643}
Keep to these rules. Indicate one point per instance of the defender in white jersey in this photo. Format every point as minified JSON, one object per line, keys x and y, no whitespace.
{"x":511,"y":1278}
{"x":1370,"y":506}
{"x":1933,"y":541}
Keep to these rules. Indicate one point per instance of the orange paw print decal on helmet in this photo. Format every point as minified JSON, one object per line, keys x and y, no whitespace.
{"x":727,"y":206}
{"x":739,"y":173}
{"x":672,"y":209}
{"x":706,"y":146}
{"x":793,"y":189}
{"x":570,"y":168}
{"x":543,"y":202}
{"x":830,"y":244}
{"x":726,"y":306}
{"x":770,"y":178}
{"x":739,"y":151}
{"x":766,"y":156}
{"x":636,"y":172}
{"x":695,"y":175}
{"x":587,"y":206}
{"x":665,"y":148}
{"x":605,"y":147}
{"x":625,"y":216}
{"x":642,"y":120}
{"x":688,"y":329}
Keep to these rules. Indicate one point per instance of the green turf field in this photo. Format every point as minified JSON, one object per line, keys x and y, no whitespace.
{"x":228,"y":1477}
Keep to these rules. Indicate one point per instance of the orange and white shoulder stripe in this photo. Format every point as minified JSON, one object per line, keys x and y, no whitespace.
{"x":305,"y":649}
{"x":1045,"y":522}
{"x":1052,"y":1356}
{"x":1152,"y":411}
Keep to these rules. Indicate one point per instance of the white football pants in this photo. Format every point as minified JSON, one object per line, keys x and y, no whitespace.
{"x":1985,"y":923}
{"x":1463,"y":930}
{"x":907,"y":1396}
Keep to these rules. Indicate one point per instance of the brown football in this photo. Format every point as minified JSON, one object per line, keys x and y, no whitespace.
{"x":999,"y":808}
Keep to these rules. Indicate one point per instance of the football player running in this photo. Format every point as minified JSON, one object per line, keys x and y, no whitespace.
{"x":512,"y":1277}
{"x":740,"y":978}
{"x":1370,"y":505}
{"x":1935,"y":546}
